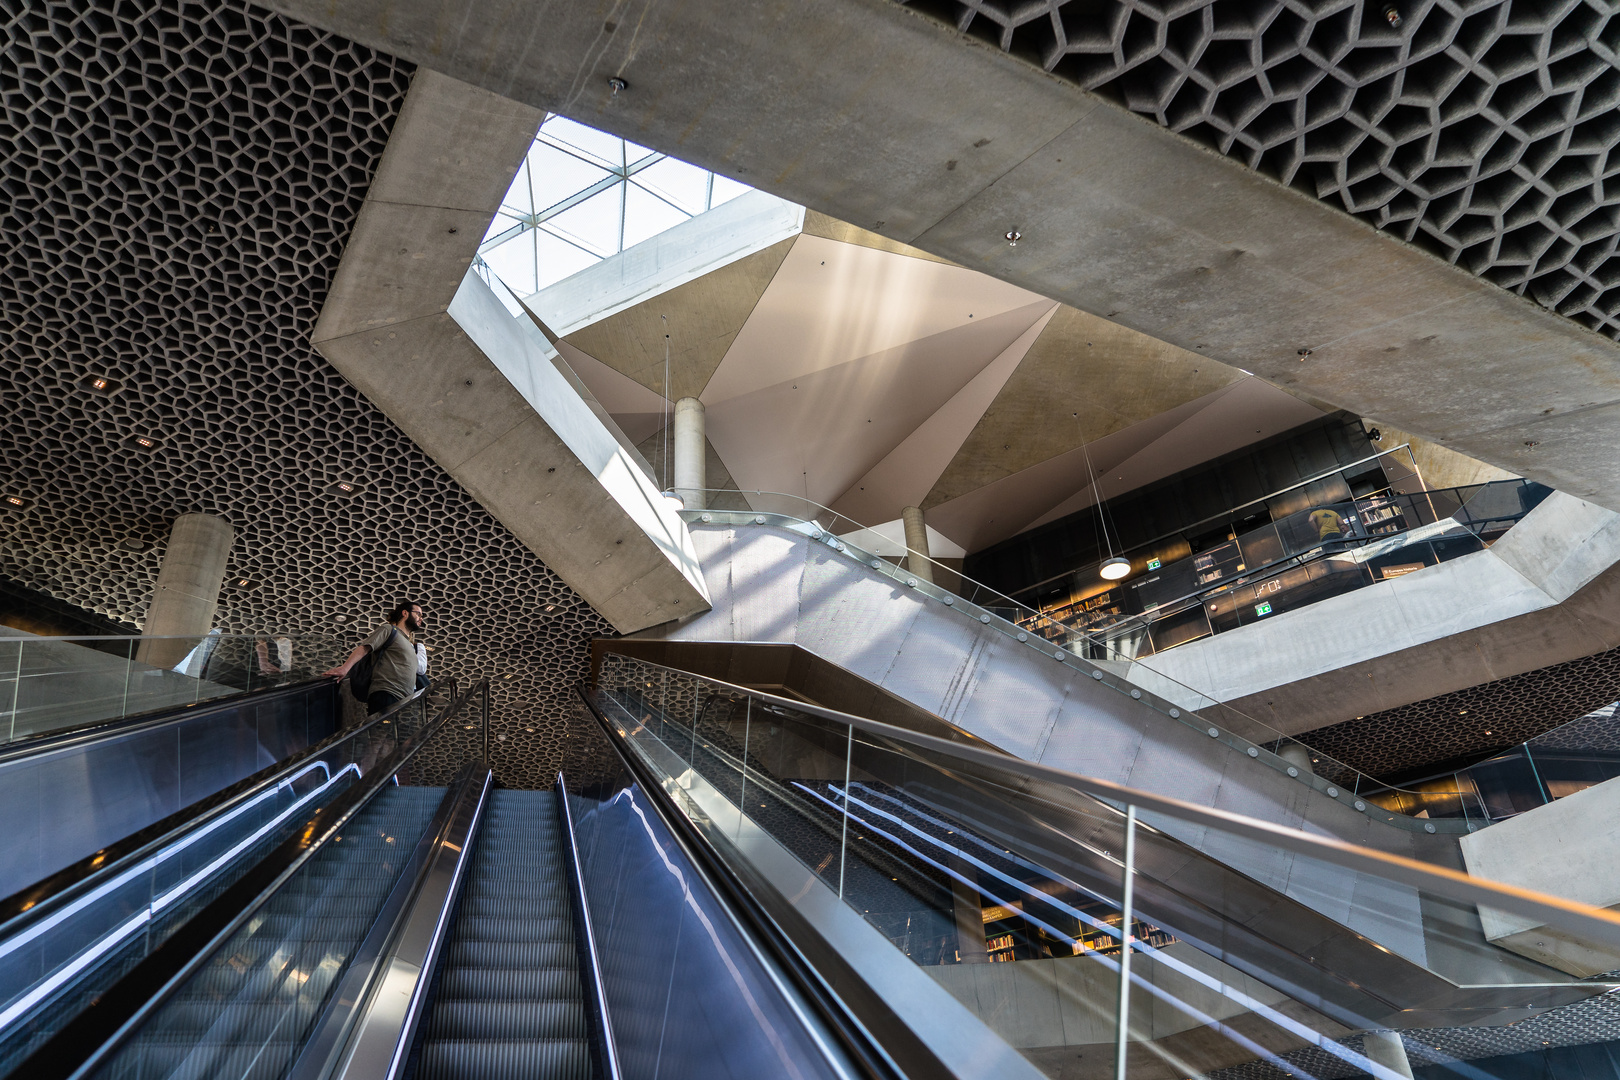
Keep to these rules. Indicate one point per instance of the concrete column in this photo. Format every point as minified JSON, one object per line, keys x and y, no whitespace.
{"x":1385,"y":1048}
{"x":1298,"y":756}
{"x":187,"y":591}
{"x":690,"y":448}
{"x":917,"y":544}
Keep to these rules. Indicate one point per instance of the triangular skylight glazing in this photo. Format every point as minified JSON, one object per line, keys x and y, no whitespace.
{"x":582,"y":196}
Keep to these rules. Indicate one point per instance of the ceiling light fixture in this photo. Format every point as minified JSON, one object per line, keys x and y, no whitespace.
{"x":1013,"y":236}
{"x":135,"y":544}
{"x":17,"y":502}
{"x":342,"y":487}
{"x":1115,"y":568}
{"x":143,"y":443}
{"x":103,"y":385}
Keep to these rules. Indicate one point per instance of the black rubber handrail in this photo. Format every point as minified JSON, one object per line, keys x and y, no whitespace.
{"x":27,"y":905}
{"x":91,"y":1037}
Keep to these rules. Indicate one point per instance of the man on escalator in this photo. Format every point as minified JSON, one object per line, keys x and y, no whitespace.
{"x":393,"y":668}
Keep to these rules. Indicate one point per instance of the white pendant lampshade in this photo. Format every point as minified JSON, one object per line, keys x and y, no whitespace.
{"x":1116,"y":568}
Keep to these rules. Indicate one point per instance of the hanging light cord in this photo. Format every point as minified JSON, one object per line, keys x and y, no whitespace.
{"x":1102,"y":504}
{"x":668,"y":405}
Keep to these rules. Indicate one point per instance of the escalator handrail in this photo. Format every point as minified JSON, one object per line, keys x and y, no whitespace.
{"x":95,"y":730}
{"x":366,"y":1030}
{"x":27,"y":906}
{"x":596,"y":992}
{"x":118,"y":1012}
{"x":1600,"y":924}
{"x":779,"y":950}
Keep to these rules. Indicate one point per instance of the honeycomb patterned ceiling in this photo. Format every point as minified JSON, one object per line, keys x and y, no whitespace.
{"x":179,"y":180}
{"x":1485,"y":131}
{"x":1469,"y":725}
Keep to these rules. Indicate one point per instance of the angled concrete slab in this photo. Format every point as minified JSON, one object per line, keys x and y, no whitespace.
{"x":879,"y":116}
{"x":429,"y":343}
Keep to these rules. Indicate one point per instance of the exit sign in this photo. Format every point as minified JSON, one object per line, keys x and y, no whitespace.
{"x":1153,"y":564}
{"x":1262,"y":609}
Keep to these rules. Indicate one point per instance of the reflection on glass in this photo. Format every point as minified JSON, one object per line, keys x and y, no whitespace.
{"x":1007,"y":893}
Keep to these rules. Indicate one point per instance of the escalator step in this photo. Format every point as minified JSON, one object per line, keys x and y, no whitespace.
{"x":507,"y":1059}
{"x":509,"y":984}
{"x":492,"y":1018}
{"x":509,"y":1001}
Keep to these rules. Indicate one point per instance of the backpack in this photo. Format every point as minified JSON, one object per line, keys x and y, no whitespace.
{"x":360,"y":674}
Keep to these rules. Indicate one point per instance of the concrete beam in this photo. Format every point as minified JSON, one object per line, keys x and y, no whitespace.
{"x":878,"y":116}
{"x":1543,"y":594}
{"x":414,"y":330}
{"x":1569,"y":848}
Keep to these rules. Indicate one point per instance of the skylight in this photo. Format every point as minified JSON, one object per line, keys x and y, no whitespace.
{"x":582,"y":196}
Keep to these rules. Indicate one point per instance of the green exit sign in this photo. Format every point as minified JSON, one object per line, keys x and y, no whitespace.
{"x":1153,"y":564}
{"x":1262,"y":609}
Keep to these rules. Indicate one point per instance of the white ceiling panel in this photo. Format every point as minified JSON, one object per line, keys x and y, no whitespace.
{"x":832,"y":302}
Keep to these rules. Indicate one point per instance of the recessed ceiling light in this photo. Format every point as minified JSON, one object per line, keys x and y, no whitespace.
{"x":99,"y":384}
{"x":340,"y":619}
{"x":133,"y":543}
{"x":16,"y":502}
{"x":342,"y":487}
{"x":143,"y":443}
{"x":244,"y":583}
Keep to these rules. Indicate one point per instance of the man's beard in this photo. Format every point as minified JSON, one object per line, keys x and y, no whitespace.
{"x":413,"y":624}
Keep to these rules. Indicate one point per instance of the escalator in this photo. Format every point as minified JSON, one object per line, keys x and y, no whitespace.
{"x":127,"y":761}
{"x":510,"y":1001}
{"x":756,"y":887}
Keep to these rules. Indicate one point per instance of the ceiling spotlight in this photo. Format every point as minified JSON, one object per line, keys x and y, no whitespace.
{"x":99,"y":384}
{"x":1115,"y":568}
{"x":1375,"y":435}
{"x":616,"y":84}
{"x":244,"y":583}
{"x":342,"y":487}
{"x":1392,"y":15}
{"x":17,"y":502}
{"x":1013,"y":236}
{"x":340,"y":619}
{"x":135,"y":544}
{"x":144,"y":443}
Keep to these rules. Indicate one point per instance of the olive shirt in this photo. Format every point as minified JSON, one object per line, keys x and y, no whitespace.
{"x":393,"y":669}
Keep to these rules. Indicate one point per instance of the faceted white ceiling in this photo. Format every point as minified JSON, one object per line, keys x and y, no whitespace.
{"x":857,"y":374}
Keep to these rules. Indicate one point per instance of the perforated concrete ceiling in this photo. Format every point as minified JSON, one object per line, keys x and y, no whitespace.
{"x":179,"y":182}
{"x":1486,"y":132}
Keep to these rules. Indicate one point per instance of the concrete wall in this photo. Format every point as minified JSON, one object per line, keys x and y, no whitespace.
{"x":1543,"y":594}
{"x":1569,"y":848}
{"x":429,"y":344}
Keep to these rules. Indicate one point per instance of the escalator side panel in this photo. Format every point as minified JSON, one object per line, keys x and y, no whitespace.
{"x":687,"y":995}
{"x":246,"y":1013}
{"x":118,"y":784}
